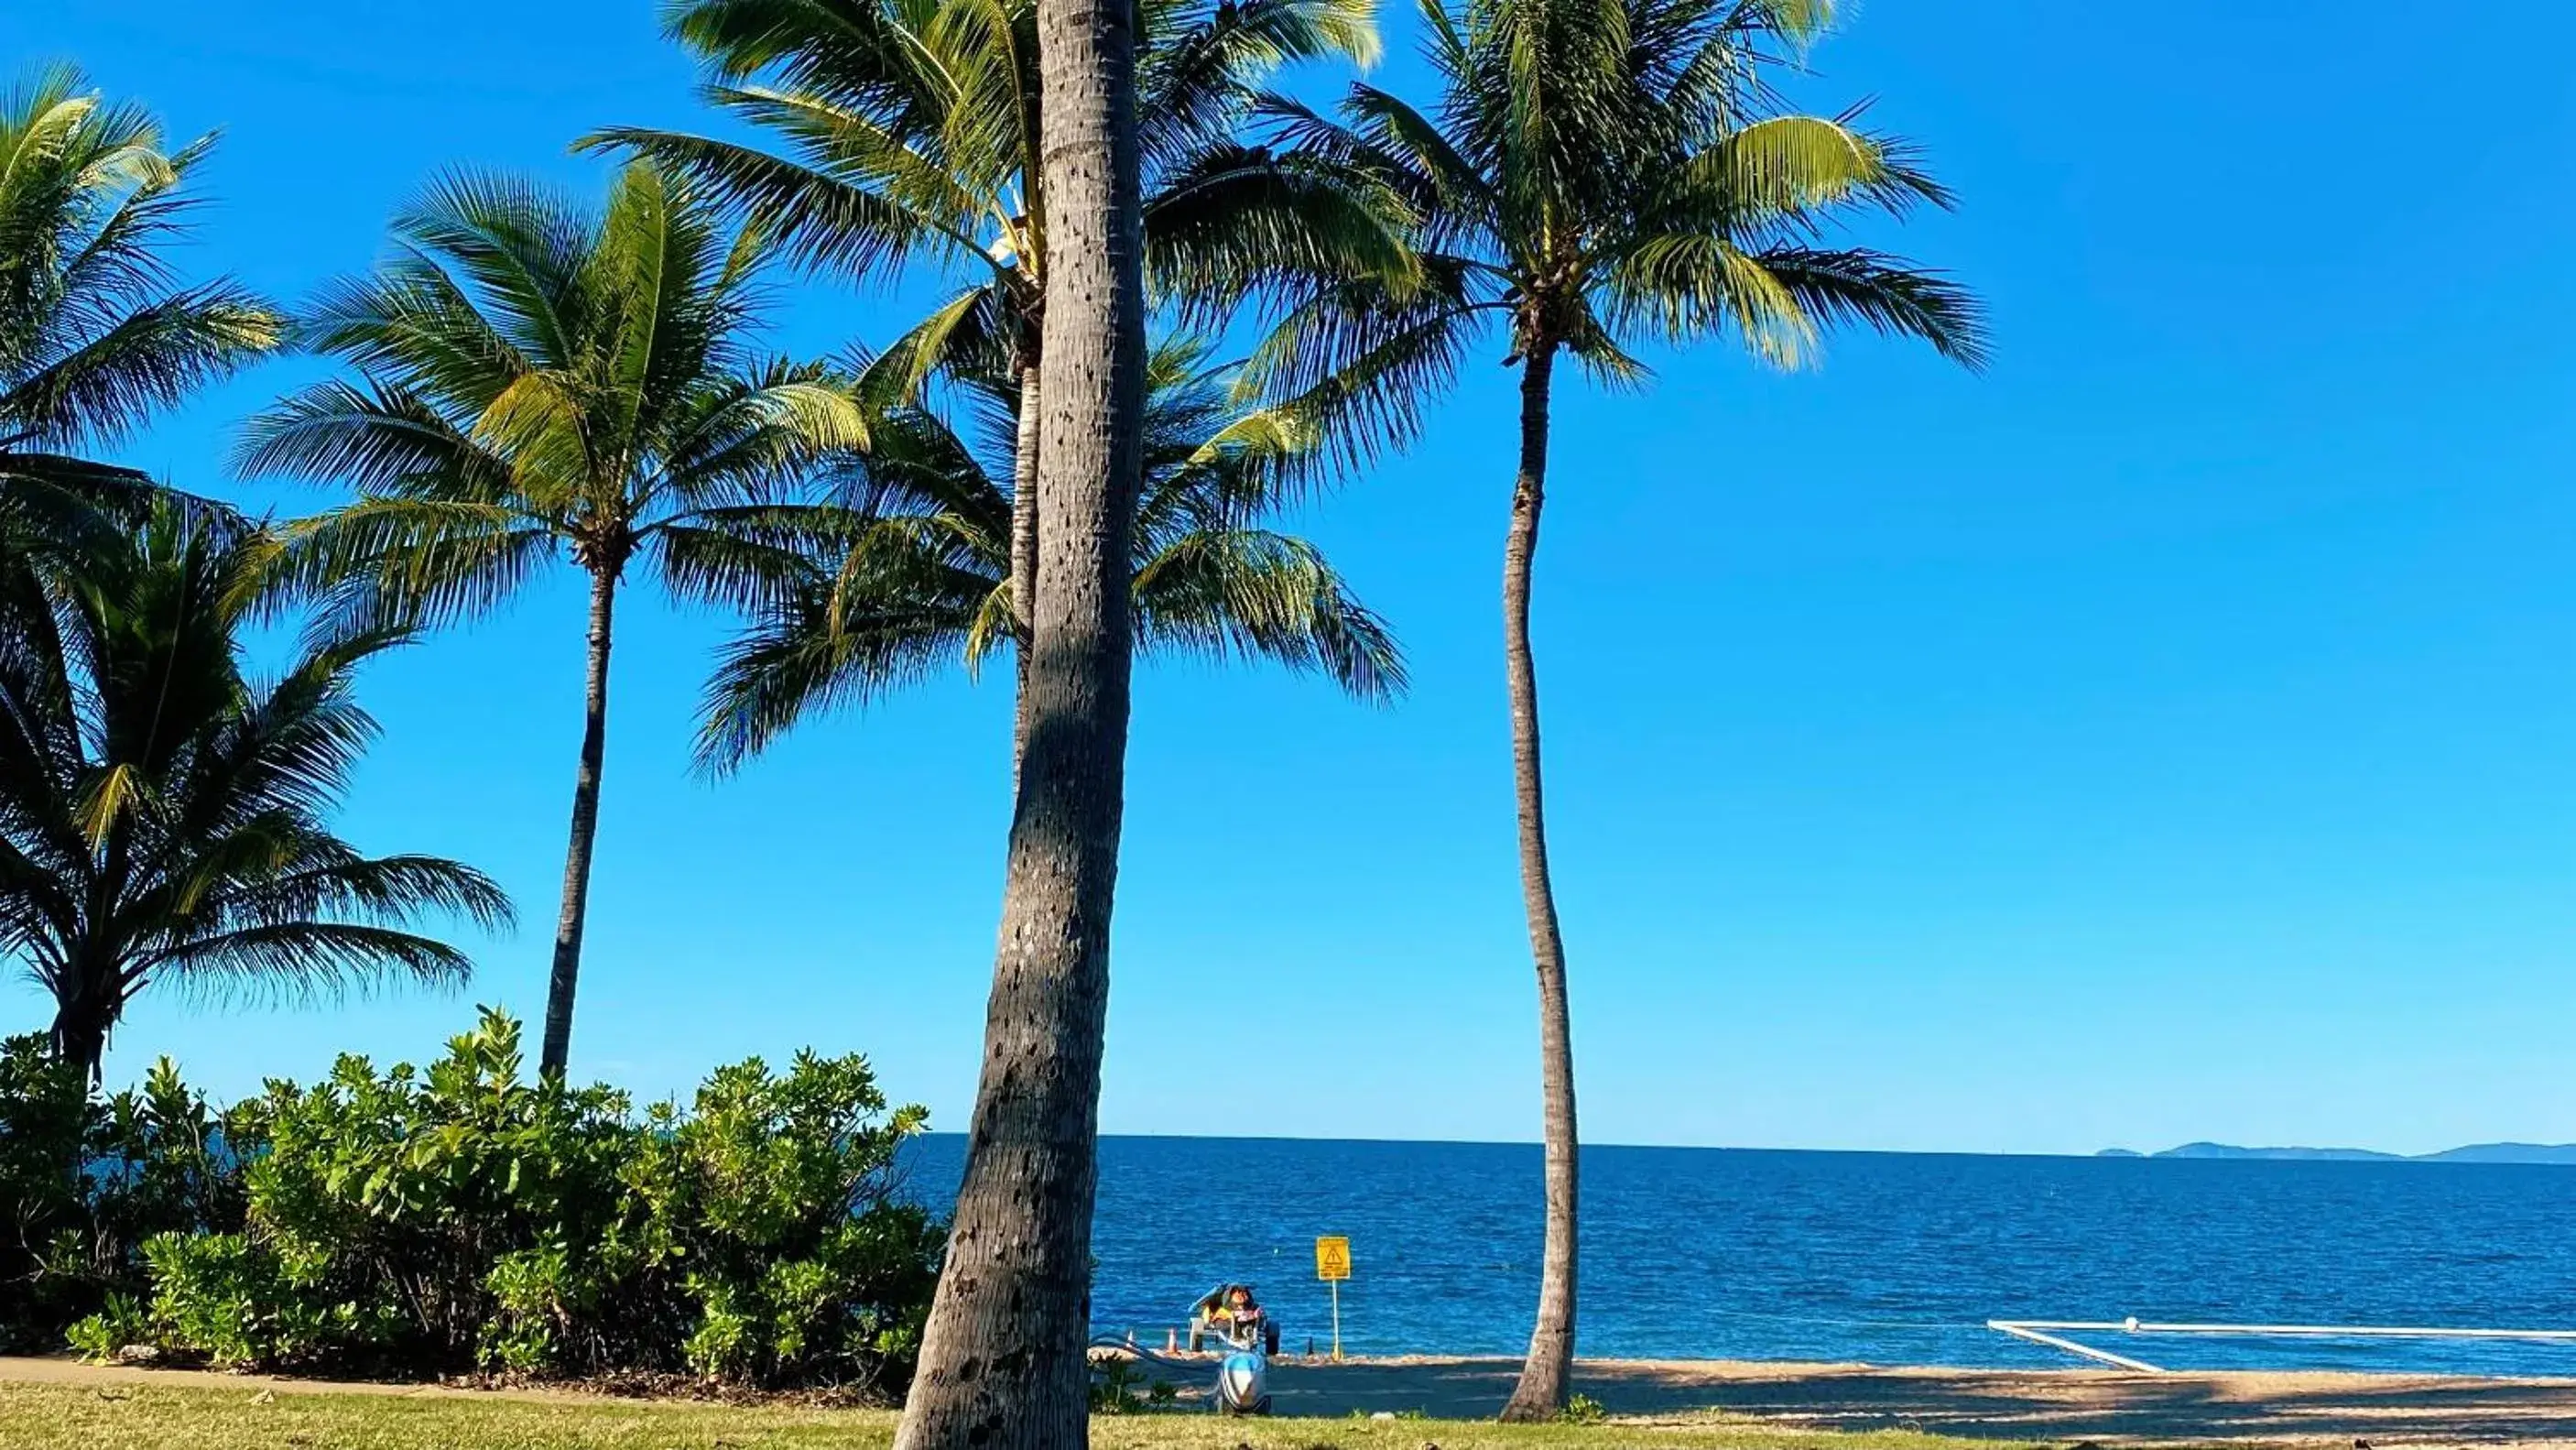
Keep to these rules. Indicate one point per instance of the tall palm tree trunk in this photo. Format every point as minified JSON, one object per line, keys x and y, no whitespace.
{"x":1002,"y":1363}
{"x":1544,"y":1375}
{"x":83,"y":1014}
{"x":90,"y":994}
{"x":575,"y":913}
{"x":1024,"y":553}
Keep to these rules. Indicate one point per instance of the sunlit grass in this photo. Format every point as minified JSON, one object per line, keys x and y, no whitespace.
{"x":152,"y":1417}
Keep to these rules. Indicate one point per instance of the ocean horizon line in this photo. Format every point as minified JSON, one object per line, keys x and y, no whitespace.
{"x":2545,"y":1155}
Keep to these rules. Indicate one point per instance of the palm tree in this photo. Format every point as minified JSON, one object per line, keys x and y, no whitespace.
{"x":924,"y":579}
{"x":534,"y":381}
{"x":1002,"y":1357}
{"x":912,"y":128}
{"x":164,"y":818}
{"x":96,"y":334}
{"x":1596,"y":172}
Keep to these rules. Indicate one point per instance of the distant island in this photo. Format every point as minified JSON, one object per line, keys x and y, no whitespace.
{"x":2557,"y":1153}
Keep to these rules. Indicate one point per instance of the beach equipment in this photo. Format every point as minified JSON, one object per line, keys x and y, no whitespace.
{"x":1243,"y":1361}
{"x":1249,"y":1337}
{"x":1243,"y":1382}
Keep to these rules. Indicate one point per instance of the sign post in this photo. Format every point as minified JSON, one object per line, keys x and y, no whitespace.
{"x":1333,"y":1265}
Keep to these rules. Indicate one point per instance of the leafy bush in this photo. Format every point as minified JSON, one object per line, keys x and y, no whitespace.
{"x":1583,"y":1410}
{"x":414,"y":1223}
{"x":86,"y":1182}
{"x":45,"y":1115}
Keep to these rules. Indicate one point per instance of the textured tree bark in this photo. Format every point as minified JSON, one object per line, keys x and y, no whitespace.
{"x":1543,"y":1384}
{"x":91,"y":994}
{"x":1024,"y":554}
{"x":585,"y":830}
{"x":1002,"y":1364}
{"x":79,"y":1035}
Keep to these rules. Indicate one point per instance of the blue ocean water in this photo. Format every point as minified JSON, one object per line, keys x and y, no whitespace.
{"x":1885,"y":1258}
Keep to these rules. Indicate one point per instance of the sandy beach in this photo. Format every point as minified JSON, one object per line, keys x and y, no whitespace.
{"x":2030,"y":1404}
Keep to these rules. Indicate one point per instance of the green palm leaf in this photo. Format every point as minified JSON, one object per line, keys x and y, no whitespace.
{"x":1262,"y":595}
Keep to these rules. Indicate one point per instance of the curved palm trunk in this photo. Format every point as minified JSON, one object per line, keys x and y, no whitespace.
{"x":1002,"y":1364}
{"x":1024,"y":554}
{"x":585,"y":830}
{"x":1544,"y":1375}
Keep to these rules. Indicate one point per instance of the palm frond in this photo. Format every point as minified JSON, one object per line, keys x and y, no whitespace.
{"x":816,"y":218}
{"x":1267,"y":596}
{"x":1233,"y":221}
{"x":1361,"y":368}
{"x":1684,"y":284}
{"x":977,"y":332}
{"x":375,"y":437}
{"x":96,"y":332}
{"x":521,"y":249}
{"x":306,"y":961}
{"x":750,"y":558}
{"x":403,"y":562}
{"x":1884,"y":294}
{"x":150,"y":358}
{"x":1204,"y":62}
{"x":809,"y":658}
{"x":1786,"y":166}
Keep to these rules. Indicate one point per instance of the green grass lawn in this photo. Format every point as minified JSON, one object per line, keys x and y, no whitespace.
{"x":150,"y":1417}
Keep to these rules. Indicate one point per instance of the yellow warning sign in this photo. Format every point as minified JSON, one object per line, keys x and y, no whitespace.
{"x":1332,"y":1259}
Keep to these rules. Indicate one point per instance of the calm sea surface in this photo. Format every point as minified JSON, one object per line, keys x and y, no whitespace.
{"x":1878,"y":1257}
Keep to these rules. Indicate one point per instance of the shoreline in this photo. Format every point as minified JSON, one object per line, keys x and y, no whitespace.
{"x":2102,"y":1406}
{"x":2092,"y":1404}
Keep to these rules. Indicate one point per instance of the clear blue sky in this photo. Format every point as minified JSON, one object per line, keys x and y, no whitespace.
{"x":2165,"y":736}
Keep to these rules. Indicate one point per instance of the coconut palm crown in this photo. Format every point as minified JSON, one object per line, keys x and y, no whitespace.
{"x":922,"y":580}
{"x":98,"y":336}
{"x":164,"y":816}
{"x":535,"y":381}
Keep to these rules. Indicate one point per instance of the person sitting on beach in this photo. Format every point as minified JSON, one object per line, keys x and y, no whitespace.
{"x":1231,"y":1314}
{"x":1246,"y":1322}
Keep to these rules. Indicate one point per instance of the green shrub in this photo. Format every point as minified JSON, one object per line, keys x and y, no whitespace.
{"x":218,"y":1296}
{"x":86,"y":1182}
{"x":778,"y":1193}
{"x":45,"y":1123}
{"x":118,"y":1323}
{"x":412,"y":1223}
